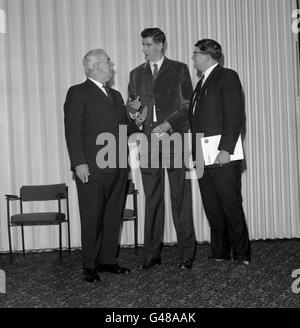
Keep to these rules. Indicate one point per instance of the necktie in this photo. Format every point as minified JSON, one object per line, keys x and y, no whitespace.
{"x":155,"y":71}
{"x":199,"y":85}
{"x":107,"y":91}
{"x":197,"y":91}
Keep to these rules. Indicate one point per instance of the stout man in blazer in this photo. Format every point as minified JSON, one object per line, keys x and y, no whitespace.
{"x":92,"y":108}
{"x":217,"y":108}
{"x":165,"y":87}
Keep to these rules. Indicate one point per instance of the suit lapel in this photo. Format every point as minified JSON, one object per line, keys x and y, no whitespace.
{"x":100,"y":98}
{"x":97,"y":91}
{"x":208,"y":81}
{"x":164,"y":66}
{"x":204,"y":89}
{"x":115,"y":104}
{"x":147,"y":69}
{"x":146,"y":83}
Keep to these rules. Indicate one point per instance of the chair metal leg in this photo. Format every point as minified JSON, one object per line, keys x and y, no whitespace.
{"x":135,"y":223}
{"x":60,"y":243}
{"x":69,"y":237}
{"x":10,"y":247}
{"x":136,"y":235}
{"x":69,"y":234}
{"x":23,"y":242}
{"x":9,"y":232}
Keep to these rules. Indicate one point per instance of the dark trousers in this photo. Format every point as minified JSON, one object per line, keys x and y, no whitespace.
{"x":222,"y":200}
{"x":101,"y":203}
{"x":181,"y":200}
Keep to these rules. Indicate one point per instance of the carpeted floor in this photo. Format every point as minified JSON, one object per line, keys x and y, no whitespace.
{"x":37,"y":280}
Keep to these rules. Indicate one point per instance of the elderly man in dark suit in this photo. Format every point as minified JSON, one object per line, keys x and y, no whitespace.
{"x":91,"y":109}
{"x":164,"y":87}
{"x":217,"y":108}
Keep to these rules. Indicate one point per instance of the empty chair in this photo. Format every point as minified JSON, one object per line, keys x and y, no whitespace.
{"x":57,"y":192}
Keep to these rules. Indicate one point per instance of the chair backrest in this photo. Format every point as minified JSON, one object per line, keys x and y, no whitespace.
{"x":42,"y":192}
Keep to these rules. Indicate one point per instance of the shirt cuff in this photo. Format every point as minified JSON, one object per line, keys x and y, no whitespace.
{"x":133,"y":116}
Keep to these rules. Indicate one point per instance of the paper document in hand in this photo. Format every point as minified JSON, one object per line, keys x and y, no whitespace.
{"x":210,"y":149}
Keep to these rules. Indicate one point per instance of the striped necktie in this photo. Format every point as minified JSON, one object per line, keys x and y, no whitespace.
{"x":155,"y":71}
{"x":197,"y":91}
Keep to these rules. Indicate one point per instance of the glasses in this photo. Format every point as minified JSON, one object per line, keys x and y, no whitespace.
{"x":198,"y":52}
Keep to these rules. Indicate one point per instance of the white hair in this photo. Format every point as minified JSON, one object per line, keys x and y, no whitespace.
{"x":90,"y":59}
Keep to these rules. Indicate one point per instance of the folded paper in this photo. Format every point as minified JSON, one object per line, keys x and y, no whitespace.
{"x":210,"y":149}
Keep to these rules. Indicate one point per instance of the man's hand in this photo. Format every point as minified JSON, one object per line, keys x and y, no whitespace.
{"x":133,"y":106}
{"x":161,"y":129}
{"x":82,"y":172}
{"x":140,"y":118}
{"x":222,"y":158}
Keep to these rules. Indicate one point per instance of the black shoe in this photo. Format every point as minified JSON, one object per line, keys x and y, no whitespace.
{"x":186,"y":264}
{"x":113,"y":268}
{"x":150,"y":264}
{"x":215,"y":264}
{"x":240,"y":270}
{"x":90,"y":275}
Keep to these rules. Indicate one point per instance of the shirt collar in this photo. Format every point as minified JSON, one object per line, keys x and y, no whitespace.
{"x":99,"y":84}
{"x":209,"y":70}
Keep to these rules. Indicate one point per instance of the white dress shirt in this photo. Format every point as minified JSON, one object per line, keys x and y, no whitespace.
{"x":99,"y":85}
{"x":208,"y":71}
{"x":206,"y":75}
{"x":159,"y":63}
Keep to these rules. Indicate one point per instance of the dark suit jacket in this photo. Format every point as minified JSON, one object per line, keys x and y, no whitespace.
{"x":89,"y":112}
{"x":219,"y":109}
{"x":170,"y":91}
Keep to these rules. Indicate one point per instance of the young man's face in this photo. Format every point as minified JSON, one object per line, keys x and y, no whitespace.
{"x":153,"y":51}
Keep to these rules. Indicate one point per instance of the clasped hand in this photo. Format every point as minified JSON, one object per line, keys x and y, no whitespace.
{"x":222,"y":158}
{"x":133,"y":108}
{"x":161,"y":129}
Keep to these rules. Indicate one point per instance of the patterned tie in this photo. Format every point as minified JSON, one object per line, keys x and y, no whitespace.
{"x":199,"y":85}
{"x":155,"y":71}
{"x":197,"y":91}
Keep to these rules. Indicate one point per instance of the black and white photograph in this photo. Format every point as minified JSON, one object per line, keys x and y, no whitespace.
{"x":150,"y":156}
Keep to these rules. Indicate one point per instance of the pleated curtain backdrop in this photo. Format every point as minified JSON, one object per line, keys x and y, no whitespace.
{"x":41,"y":50}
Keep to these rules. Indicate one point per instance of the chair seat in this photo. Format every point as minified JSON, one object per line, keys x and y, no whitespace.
{"x":128,"y":214}
{"x":38,"y":218}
